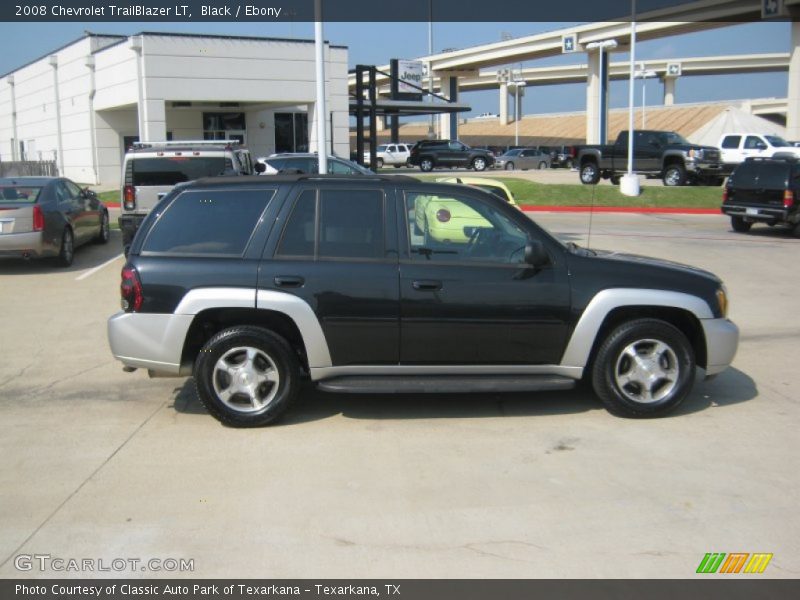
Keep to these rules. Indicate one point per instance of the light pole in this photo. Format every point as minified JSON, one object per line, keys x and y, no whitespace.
{"x":517,"y":83}
{"x":644,"y":76}
{"x":601,"y":46}
{"x":430,"y":70}
{"x":629,"y":183}
{"x":319,"y":47}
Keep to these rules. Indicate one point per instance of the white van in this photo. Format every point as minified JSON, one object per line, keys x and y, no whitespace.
{"x":737,"y":147}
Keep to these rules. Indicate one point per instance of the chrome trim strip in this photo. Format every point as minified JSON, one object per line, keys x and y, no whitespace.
{"x":318,"y":374}
{"x":583,"y":337}
{"x":303,"y":316}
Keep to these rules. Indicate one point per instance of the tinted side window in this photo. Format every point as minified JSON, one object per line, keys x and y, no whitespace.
{"x":351,"y":224}
{"x":731,"y":141}
{"x":298,"y":235}
{"x":218,"y":222}
{"x":751,"y":142}
{"x":340,"y":168}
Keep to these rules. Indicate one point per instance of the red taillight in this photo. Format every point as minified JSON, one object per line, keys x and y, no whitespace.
{"x":788,"y":198}
{"x":724,"y":194}
{"x":443,"y":215}
{"x":129,"y":197}
{"x":131,"y":290}
{"x":38,"y":218}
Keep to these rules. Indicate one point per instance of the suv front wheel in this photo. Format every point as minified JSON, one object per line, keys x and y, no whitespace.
{"x":246,"y":376}
{"x":426,"y":164}
{"x":644,"y":368}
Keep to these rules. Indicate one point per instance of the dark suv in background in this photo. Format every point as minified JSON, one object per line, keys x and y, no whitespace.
{"x":376,"y":284}
{"x":764,"y":190}
{"x":430,"y":154}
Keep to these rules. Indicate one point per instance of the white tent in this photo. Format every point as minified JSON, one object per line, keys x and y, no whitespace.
{"x":734,"y":120}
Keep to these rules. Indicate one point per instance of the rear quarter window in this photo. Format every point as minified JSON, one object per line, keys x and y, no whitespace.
{"x":211,"y":222}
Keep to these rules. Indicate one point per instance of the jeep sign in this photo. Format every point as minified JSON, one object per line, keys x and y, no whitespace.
{"x":409,"y":71}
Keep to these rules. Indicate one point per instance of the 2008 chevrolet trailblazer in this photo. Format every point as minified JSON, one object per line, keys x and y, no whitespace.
{"x":251,"y":284}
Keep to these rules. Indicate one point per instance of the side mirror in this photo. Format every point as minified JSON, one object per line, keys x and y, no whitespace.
{"x":260,"y":167}
{"x":535,"y":254}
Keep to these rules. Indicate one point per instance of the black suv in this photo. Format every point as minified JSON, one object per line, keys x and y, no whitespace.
{"x":429,"y":154}
{"x":764,"y":190}
{"x":375,"y":284}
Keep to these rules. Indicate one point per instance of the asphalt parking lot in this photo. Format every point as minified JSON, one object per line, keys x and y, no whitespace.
{"x":101,"y":464}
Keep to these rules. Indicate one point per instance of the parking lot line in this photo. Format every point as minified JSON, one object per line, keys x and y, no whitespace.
{"x":94,"y":270}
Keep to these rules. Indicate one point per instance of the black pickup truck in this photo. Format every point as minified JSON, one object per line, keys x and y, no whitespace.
{"x":662,"y":154}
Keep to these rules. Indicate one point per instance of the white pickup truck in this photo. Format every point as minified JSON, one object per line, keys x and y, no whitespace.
{"x":737,"y":147}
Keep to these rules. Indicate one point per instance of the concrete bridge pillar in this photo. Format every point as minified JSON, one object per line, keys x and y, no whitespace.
{"x":669,"y":90}
{"x":597,"y":97}
{"x":448,"y":123}
{"x":503,"y":112}
{"x":793,"y":93}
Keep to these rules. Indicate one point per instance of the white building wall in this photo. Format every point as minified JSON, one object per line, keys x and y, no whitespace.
{"x":270,"y":75}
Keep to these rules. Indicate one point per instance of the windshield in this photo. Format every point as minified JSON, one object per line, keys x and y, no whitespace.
{"x":776,"y":141}
{"x":513,"y":152}
{"x":382,"y":148}
{"x":176,"y":169}
{"x":19,"y":193}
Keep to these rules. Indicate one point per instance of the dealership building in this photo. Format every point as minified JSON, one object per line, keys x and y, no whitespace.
{"x":83,"y":104}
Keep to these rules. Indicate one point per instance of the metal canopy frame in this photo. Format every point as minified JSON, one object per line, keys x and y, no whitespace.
{"x":373,"y":106}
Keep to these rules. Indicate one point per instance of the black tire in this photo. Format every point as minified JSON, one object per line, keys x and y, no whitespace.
{"x":479,"y":163}
{"x":589,"y":173}
{"x":105,"y":232}
{"x":739,"y":225}
{"x":615,"y":362}
{"x":379,"y":163}
{"x":426,"y":164}
{"x":796,"y":231}
{"x":66,"y":253}
{"x":267,"y":347}
{"x":614,"y":179}
{"x":674,"y":175}
{"x":569,"y":164}
{"x":397,"y":166}
{"x":542,"y":166}
{"x":509,"y":166}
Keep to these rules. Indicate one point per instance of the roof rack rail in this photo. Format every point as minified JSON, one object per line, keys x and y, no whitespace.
{"x":336,"y":176}
{"x":166,"y":144}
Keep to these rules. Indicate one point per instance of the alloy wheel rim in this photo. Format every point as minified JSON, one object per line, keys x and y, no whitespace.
{"x":587,"y":174}
{"x":245,"y":379}
{"x":647,"y":371}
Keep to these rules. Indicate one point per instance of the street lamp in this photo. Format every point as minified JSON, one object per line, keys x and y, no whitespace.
{"x":644,"y":76}
{"x":601,"y":45}
{"x":517,"y":84}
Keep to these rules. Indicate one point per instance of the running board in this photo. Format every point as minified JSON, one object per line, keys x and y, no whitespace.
{"x":453,"y":384}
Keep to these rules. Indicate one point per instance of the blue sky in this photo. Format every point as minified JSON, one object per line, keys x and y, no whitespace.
{"x":376,"y":43}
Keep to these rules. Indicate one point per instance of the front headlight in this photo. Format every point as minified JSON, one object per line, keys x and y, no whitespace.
{"x":722,"y":300}
{"x":696,"y":154}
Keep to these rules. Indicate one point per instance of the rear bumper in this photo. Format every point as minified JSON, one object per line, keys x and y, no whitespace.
{"x":149,"y":340}
{"x":129,"y":224}
{"x":722,"y":341}
{"x":29,"y":244}
{"x":761,"y":213}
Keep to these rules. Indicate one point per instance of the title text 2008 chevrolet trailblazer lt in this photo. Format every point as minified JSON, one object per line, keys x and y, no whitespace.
{"x":251,"y":284}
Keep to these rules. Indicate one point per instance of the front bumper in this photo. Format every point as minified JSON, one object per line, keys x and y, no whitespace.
{"x":149,"y":340}
{"x":722,"y":341}
{"x":29,"y":244}
{"x":708,"y":169}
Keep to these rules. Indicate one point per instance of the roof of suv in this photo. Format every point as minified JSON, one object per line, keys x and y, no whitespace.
{"x":193,"y":146}
{"x":293,"y":178}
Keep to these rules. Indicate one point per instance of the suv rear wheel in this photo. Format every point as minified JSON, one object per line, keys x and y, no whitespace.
{"x":739,"y":225}
{"x":643,"y":368}
{"x":479,"y":163}
{"x":246,"y":376}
